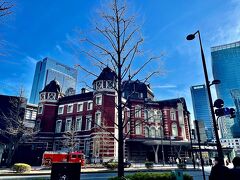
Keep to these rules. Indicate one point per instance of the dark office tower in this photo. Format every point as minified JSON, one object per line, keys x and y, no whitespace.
{"x":226,"y":68}
{"x":48,"y":70}
{"x":201,"y":108}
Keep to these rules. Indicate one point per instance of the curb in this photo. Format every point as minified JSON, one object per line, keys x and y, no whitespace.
{"x":102,"y":171}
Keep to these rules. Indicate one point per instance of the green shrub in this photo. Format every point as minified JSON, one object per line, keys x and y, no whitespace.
{"x":187,"y":177}
{"x":152,"y":176}
{"x":149,"y":165}
{"x":21,"y":167}
{"x":112,"y":165}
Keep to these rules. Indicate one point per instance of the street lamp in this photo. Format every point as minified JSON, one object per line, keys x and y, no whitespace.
{"x":208,"y":84}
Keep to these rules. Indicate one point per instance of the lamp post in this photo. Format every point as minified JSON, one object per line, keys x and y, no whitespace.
{"x":208,"y":84}
{"x":199,"y":146}
{"x":190,"y":136}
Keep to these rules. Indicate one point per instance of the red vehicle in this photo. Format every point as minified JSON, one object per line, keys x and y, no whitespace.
{"x":50,"y":157}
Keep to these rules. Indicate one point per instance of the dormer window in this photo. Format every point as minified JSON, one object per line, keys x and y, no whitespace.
{"x":42,"y":96}
{"x":99,"y":85}
{"x":51,"y":96}
{"x":109,"y":84}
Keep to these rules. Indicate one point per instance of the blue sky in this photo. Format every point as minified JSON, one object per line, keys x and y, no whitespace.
{"x":43,"y":28}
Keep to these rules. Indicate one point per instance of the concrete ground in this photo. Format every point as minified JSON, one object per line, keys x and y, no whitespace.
{"x":38,"y":170}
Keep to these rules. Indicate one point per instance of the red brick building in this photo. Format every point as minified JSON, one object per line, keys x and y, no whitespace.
{"x":87,"y":121}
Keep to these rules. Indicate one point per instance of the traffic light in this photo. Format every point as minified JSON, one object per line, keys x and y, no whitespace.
{"x":232,"y":113}
{"x":225,"y":112}
{"x":220,"y":112}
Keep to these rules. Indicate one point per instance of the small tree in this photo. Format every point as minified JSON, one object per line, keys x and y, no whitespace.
{"x":70,"y":140}
{"x":119,"y":40}
{"x":14,"y":130}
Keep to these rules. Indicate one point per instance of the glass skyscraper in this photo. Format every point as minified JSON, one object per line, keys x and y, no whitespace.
{"x":226,"y":68}
{"x":48,"y":70}
{"x":201,"y":108}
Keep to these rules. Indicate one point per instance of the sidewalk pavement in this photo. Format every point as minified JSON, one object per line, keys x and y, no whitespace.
{"x":38,"y":170}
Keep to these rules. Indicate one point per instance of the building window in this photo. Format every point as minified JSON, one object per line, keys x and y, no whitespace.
{"x":88,"y":122}
{"x":34,"y":115}
{"x":146,"y":132}
{"x":58,"y":126}
{"x":172,"y":115}
{"x":99,"y":100}
{"x":51,"y":96}
{"x":174,"y":130}
{"x":42,"y":96}
{"x":98,"y":118}
{"x":89,"y":106}
{"x":78,"y":125}
{"x":145,"y":114}
{"x":99,"y":85}
{"x":127,"y":112}
{"x":158,"y":116}
{"x":68,"y":124}
{"x":138,"y":128}
{"x":109,"y":84}
{"x":152,"y":132}
{"x":60,"y":109}
{"x":128,"y":127}
{"x":69,"y":108}
{"x":151,"y":116}
{"x":40,"y":109}
{"x":79,"y":107}
{"x":138,"y":111}
{"x":159,"y":132}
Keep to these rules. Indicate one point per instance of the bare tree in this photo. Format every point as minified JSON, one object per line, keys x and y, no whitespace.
{"x":70,"y":140}
{"x":5,"y":7}
{"x":12,"y":125}
{"x":118,"y":44}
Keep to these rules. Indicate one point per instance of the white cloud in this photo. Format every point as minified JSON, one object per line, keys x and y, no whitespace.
{"x":164,"y":86}
{"x":31,"y":60}
{"x":59,"y":48}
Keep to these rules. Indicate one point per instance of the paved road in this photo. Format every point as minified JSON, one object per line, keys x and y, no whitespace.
{"x":101,"y":176}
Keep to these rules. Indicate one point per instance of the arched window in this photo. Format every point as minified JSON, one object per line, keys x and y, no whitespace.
{"x":174,"y":130}
{"x":159,"y":132}
{"x":152,"y":133}
{"x":157,"y":116}
{"x":138,"y":127}
{"x":146,"y":132}
{"x":138,"y":111}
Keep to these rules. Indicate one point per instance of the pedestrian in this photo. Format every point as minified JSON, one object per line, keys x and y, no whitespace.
{"x":198,"y":162}
{"x":177,"y":161}
{"x":210,"y":162}
{"x":235,"y":172}
{"x":219,"y":171}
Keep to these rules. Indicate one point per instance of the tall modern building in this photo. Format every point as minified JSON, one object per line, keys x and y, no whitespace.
{"x":226,"y":68}
{"x":201,"y":108}
{"x":48,"y":70}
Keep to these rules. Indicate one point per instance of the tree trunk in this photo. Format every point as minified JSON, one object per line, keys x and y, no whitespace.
{"x":11,"y":152}
{"x":156,"y":153}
